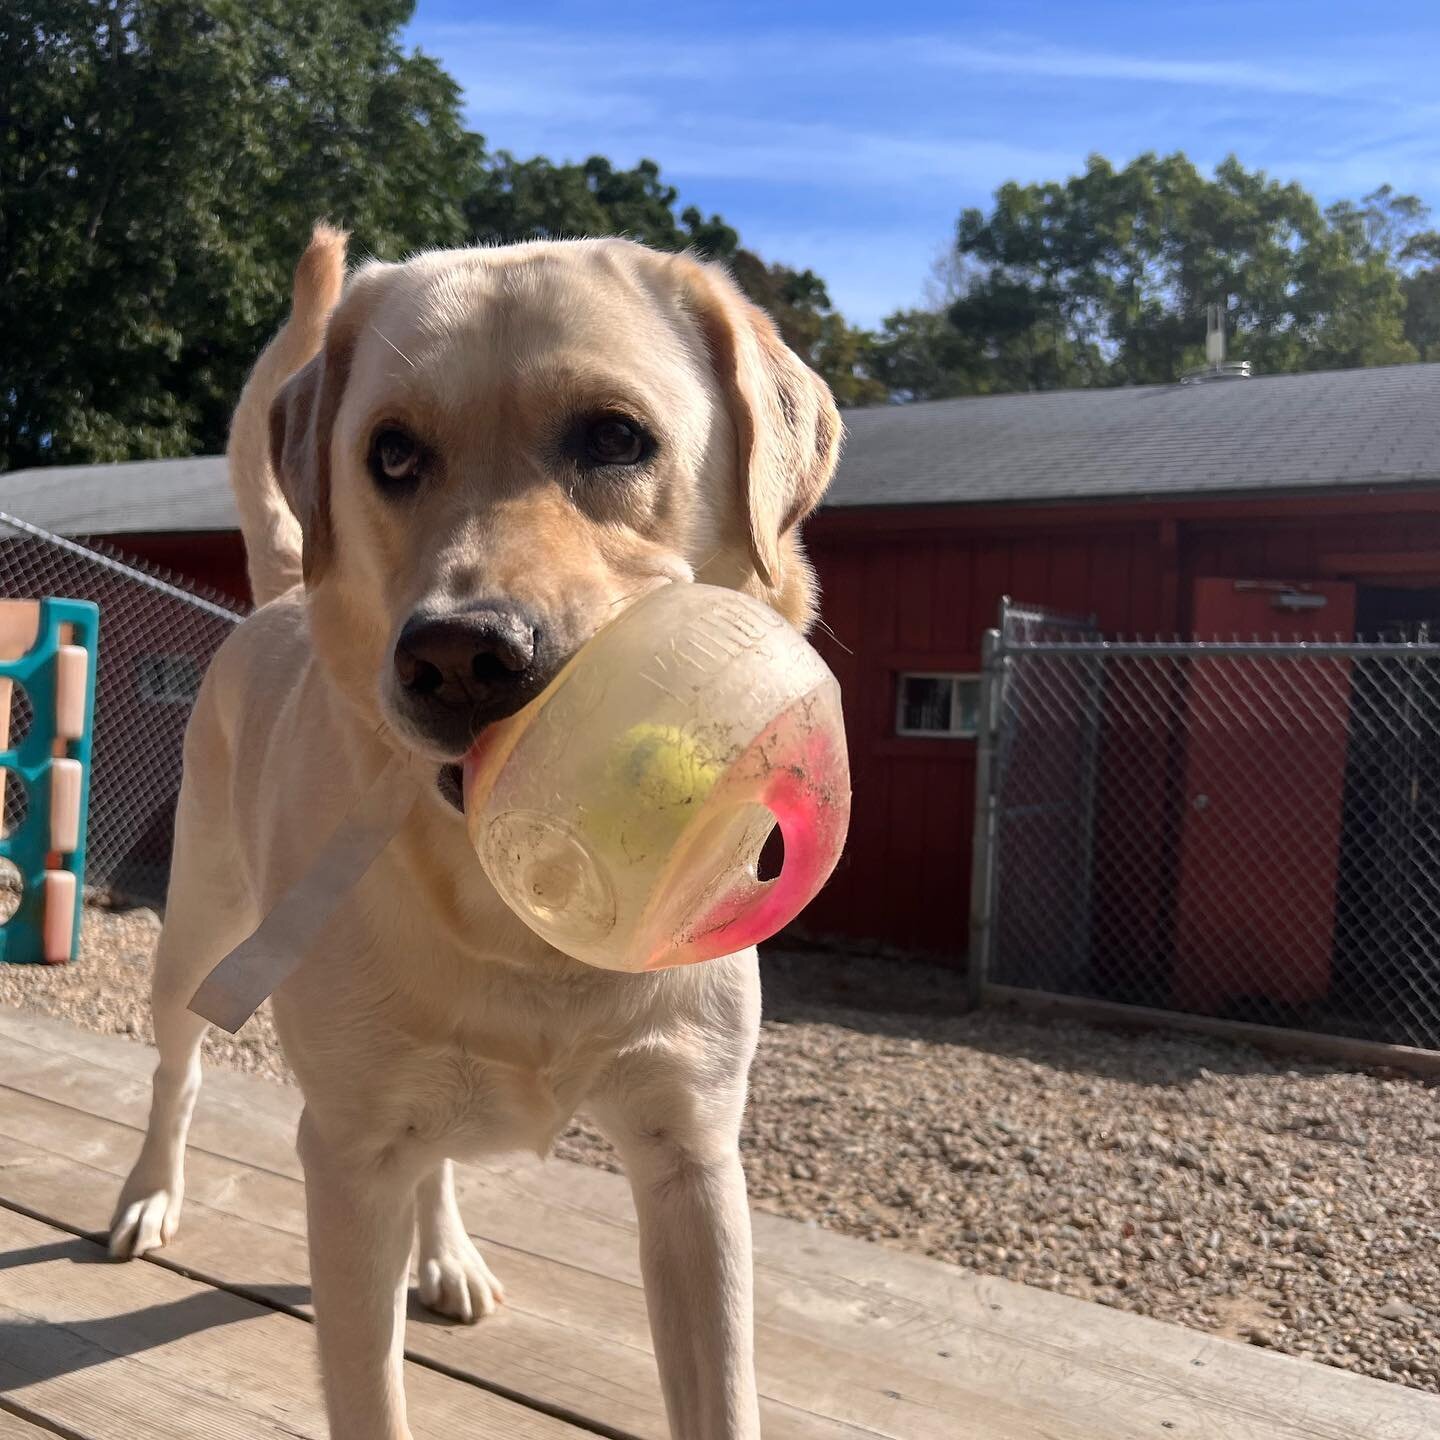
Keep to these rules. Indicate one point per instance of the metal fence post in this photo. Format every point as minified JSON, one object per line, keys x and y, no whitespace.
{"x":983,"y":866}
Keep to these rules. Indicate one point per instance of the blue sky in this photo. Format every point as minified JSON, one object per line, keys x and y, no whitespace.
{"x":848,"y":136}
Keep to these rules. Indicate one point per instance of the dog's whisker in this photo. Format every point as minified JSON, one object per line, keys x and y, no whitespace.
{"x":821,"y":625}
{"x":394,"y":346}
{"x":635,"y":594}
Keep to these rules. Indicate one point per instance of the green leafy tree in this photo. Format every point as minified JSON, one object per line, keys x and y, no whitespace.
{"x":920,"y":355}
{"x":1105,"y":279}
{"x":1396,"y":229}
{"x":160,"y":165}
{"x":1422,"y":311}
{"x":538,"y":199}
{"x":161,"y":162}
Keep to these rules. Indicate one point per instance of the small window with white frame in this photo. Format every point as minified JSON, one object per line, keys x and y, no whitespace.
{"x":938,"y":704}
{"x":168,"y":679}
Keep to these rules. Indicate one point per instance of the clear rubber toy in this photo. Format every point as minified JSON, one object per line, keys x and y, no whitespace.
{"x":622,"y":814}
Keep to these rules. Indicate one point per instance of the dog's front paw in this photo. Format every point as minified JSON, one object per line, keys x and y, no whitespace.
{"x":145,"y":1219}
{"x":456,"y":1282}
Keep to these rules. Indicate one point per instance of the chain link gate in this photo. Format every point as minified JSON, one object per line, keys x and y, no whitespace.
{"x":156,"y":641}
{"x":1248,"y":832}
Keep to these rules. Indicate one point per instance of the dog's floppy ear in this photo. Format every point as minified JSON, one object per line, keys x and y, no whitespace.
{"x":787,"y":429}
{"x":301,"y":418}
{"x":302,"y":414}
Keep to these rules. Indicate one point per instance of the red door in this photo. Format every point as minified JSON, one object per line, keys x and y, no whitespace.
{"x":1264,"y":791}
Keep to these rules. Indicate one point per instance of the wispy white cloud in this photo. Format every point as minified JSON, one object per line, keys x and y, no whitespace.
{"x":550,"y":113}
{"x":603,"y":58}
{"x":853,"y":153}
{"x":1398,"y":145}
{"x":540,"y":98}
{"x":705,"y":106}
{"x":614,"y":58}
{"x":827,"y":155}
{"x":1354,"y":175}
{"x":1048,"y":62}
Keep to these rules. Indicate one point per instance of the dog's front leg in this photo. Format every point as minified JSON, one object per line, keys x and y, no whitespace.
{"x":361,"y":1214}
{"x":454,"y":1278}
{"x":695,"y":1256}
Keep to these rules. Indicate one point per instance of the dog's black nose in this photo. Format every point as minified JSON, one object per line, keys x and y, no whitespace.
{"x":466,"y":656}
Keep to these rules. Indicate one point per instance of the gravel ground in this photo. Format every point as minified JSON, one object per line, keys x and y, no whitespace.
{"x":108,"y":989}
{"x":1289,"y":1204}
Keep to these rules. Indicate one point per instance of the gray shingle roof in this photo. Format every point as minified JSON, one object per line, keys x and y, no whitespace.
{"x":139,"y":496}
{"x":1334,"y":429}
{"x":1340,"y":429}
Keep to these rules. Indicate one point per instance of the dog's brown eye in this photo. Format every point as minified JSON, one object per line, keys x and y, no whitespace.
{"x":613,"y":440}
{"x":394,"y":458}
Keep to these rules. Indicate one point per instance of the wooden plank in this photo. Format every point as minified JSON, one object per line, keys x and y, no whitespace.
{"x":253,"y":1122}
{"x":947,"y":818}
{"x":872,"y":713}
{"x":96,"y":1349}
{"x":244,"y":1229}
{"x":991,"y":578}
{"x":585,"y":1350}
{"x":1109,"y":596}
{"x":915,"y":597}
{"x":1419,"y":564}
{"x":956,"y":629}
{"x":1069,"y":584}
{"x":221,"y":1242}
{"x":874,"y":1394}
{"x":908,"y":918}
{"x":835,"y":1312}
{"x":1030,"y":569}
{"x":12,"y":1427}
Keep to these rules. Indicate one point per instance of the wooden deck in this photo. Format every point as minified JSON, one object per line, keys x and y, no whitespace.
{"x":211,"y":1337}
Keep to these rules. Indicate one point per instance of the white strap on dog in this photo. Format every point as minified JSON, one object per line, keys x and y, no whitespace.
{"x":235,"y":989}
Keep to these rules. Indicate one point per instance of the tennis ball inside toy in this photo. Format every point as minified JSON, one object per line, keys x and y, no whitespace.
{"x":666,"y":765}
{"x":655,"y":776}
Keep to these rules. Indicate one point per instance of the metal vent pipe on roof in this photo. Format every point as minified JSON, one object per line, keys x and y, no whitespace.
{"x":1216,"y":366}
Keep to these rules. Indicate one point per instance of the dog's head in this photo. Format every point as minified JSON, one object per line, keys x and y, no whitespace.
{"x":496,"y":450}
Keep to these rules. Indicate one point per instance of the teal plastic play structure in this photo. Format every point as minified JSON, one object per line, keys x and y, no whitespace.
{"x":32,"y":847}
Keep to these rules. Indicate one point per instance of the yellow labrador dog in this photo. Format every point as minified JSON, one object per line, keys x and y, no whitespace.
{"x":450,"y":473}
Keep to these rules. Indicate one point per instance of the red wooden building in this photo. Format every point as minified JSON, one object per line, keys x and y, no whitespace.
{"x":1116,"y":503}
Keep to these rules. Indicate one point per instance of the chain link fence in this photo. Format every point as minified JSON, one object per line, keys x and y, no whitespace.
{"x":156,"y":639}
{"x":1249,"y":832}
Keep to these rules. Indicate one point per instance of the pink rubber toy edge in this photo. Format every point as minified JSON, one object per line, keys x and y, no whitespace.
{"x":810,"y":799}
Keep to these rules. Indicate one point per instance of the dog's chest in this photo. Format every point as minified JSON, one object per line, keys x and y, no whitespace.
{"x":472,"y":1102}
